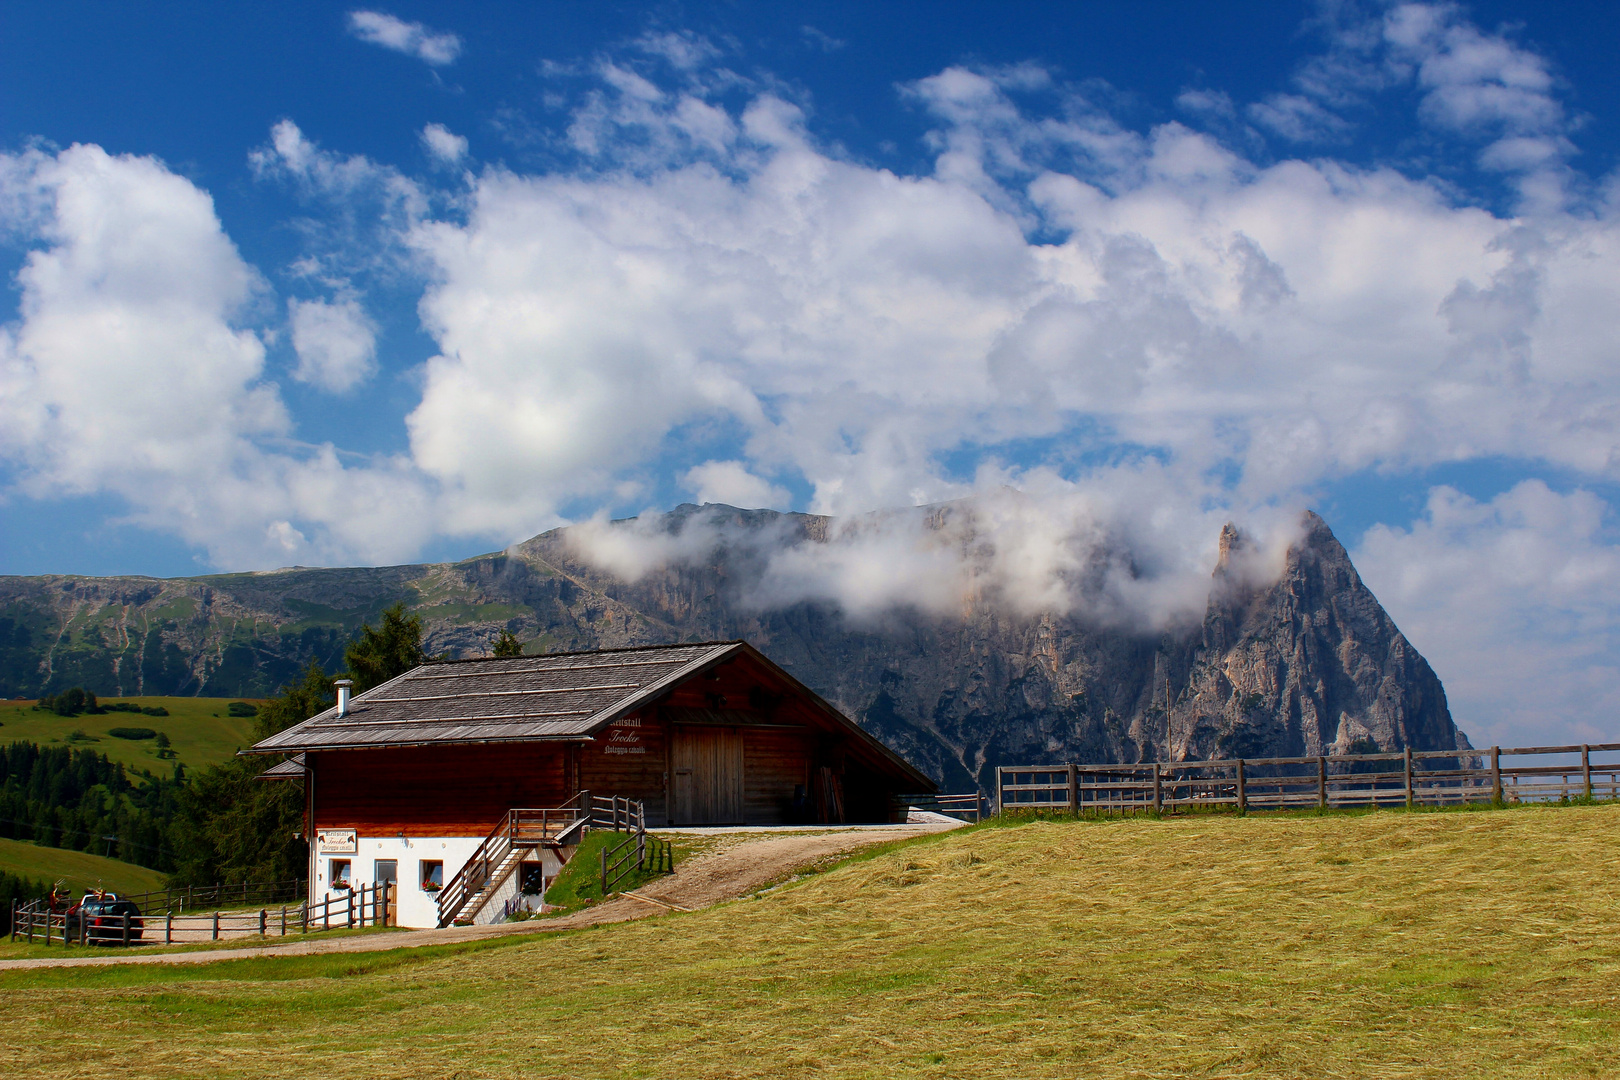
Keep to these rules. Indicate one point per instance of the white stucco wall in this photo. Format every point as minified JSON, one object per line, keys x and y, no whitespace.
{"x":417,"y":907}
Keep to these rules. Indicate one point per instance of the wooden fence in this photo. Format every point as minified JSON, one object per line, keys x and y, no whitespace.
{"x":638,"y":851}
{"x":1408,"y":778}
{"x":245,"y":894}
{"x":369,"y":905}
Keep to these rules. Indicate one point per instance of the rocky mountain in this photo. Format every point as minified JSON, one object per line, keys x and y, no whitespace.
{"x":1306,"y":663}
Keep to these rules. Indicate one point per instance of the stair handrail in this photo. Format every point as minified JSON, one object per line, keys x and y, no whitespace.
{"x":517,"y":827}
{"x":460,"y":888}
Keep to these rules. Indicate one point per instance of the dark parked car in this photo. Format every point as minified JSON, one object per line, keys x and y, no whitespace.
{"x":102,"y":920}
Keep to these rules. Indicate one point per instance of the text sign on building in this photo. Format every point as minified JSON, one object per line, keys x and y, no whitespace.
{"x":624,"y":737}
{"x":337,"y":841}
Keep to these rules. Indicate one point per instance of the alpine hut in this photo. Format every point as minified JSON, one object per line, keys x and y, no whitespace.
{"x":420,"y":774}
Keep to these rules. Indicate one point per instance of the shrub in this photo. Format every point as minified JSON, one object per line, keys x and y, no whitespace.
{"x":134,"y":733}
{"x":154,"y":710}
{"x":70,"y":703}
{"x":241,"y":708}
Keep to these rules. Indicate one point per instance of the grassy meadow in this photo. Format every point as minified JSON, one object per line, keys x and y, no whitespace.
{"x":80,"y":870}
{"x":1387,"y":944}
{"x":198,"y":728}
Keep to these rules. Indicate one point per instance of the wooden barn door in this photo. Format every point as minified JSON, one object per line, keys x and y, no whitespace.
{"x":708,"y":767}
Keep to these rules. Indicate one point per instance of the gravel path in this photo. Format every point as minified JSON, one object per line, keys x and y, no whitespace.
{"x":742,"y":863}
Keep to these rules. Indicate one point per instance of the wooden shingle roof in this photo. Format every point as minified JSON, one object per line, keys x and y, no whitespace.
{"x":294,"y":768}
{"x":559,"y":696}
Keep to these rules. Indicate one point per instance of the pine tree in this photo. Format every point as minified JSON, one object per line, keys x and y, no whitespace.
{"x":379,"y":655}
{"x":506,"y":646}
{"x":233,"y":827}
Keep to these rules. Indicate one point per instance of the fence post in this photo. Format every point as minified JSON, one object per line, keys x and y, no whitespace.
{"x":1158,"y":795}
{"x":1074,"y":787}
{"x":1321,"y":782}
{"x":216,"y":925}
{"x":1408,"y":762}
{"x":1586,"y":769}
{"x":350,"y":911}
{"x":168,"y":928}
{"x":126,"y":929}
{"x":1496,"y":775}
{"x":263,"y":925}
{"x":1242,"y":789}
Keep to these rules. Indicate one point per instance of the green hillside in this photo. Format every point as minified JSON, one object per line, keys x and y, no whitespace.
{"x":81,"y":871}
{"x":1383,"y":945}
{"x":198,"y":728}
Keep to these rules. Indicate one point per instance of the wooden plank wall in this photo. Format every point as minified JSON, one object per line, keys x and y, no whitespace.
{"x":435,"y":791}
{"x":629,"y":760}
{"x":774,"y":763}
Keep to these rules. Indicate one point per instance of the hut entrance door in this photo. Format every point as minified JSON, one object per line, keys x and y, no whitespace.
{"x":708,"y":767}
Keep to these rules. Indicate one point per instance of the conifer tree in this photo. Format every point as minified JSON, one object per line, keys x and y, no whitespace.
{"x":506,"y":645}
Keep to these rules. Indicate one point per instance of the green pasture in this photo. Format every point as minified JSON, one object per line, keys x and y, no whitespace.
{"x":81,"y":870}
{"x":198,"y":728}
{"x":1379,"y":946}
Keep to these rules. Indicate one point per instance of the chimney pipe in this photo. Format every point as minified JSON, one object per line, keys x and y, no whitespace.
{"x":343,"y":686}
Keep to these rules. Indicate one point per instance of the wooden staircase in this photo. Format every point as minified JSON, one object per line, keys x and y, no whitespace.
{"x":521,"y":831}
{"x":503,"y":851}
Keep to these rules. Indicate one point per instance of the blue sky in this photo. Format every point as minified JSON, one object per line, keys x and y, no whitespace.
{"x":331,"y":284}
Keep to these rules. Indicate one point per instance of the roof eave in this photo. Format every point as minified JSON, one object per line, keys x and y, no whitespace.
{"x":341,"y":747}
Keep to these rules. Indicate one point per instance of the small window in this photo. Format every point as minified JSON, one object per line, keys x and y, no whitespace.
{"x":340,"y":873}
{"x":534,"y":879}
{"x":432,"y":875}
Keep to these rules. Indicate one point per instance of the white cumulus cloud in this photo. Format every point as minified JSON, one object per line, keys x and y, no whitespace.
{"x":411,"y":38}
{"x":443,"y":144}
{"x":1516,"y":602}
{"x":336,"y":343}
{"x":731,"y":483}
{"x":130,"y":371}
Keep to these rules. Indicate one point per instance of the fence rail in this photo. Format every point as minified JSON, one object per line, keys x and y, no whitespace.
{"x":638,"y":851}
{"x":369,"y":905}
{"x":242,"y":895}
{"x":1409,"y":778}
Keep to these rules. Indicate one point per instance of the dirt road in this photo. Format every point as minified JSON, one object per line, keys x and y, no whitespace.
{"x":741,"y":863}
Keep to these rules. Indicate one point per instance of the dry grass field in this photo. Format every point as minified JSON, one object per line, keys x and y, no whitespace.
{"x":1381,"y":945}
